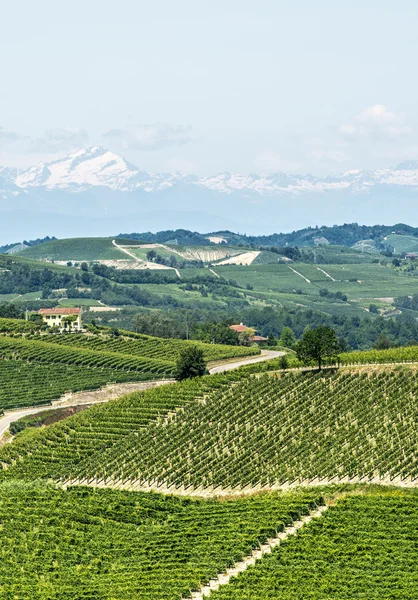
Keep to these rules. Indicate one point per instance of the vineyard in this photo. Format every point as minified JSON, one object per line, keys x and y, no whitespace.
{"x":147,"y":346}
{"x":114,"y":545}
{"x":274,"y":431}
{"x":11,"y":326}
{"x":49,"y":353}
{"x":364,"y":547}
{"x":231,"y":431}
{"x":31,"y":384}
{"x":55,"y":451}
{"x":399,"y":355}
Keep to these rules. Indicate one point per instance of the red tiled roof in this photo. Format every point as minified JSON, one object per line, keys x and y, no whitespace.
{"x":239,"y":328}
{"x":59,"y":311}
{"x":259,"y":338}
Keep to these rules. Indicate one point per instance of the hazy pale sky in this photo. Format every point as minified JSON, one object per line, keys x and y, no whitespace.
{"x":211,"y":85}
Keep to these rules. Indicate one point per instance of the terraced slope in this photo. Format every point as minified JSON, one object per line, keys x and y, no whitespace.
{"x":56,"y":451}
{"x":83,"y":543}
{"x":233,"y":433}
{"x":147,"y":346}
{"x":363,"y":547}
{"x":45,"y":352}
{"x":32,"y":384}
{"x":275,"y":431}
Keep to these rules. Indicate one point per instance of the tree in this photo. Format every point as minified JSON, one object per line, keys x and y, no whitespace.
{"x":246,"y":336}
{"x":68,"y":321}
{"x":10,"y":311}
{"x":151,"y":255}
{"x":373,"y":309}
{"x":317,"y":344}
{"x":190,"y":363}
{"x":84,"y":266}
{"x":271,"y":341}
{"x":382,"y":342}
{"x":287,"y":338}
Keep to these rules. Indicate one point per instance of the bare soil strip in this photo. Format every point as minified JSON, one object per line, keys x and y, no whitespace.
{"x":124,"y":249}
{"x":217,"y":492}
{"x":300,"y":275}
{"x":109,"y":392}
{"x":325,"y":273}
{"x":248,"y":561}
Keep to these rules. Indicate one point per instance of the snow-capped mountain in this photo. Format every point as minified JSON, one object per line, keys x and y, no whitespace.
{"x":98,"y":166}
{"x":98,"y":190}
{"x":90,"y":167}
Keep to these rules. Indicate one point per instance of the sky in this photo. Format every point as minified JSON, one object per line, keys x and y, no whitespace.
{"x":206,"y":86}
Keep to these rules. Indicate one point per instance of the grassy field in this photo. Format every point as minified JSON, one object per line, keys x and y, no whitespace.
{"x":74,"y":302}
{"x":355,"y":280}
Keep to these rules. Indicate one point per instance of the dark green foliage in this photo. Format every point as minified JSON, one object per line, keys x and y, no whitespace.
{"x":8,"y":310}
{"x":191,"y":363}
{"x":216,"y":333}
{"x":363,"y":547}
{"x":317,"y":345}
{"x":92,"y":544}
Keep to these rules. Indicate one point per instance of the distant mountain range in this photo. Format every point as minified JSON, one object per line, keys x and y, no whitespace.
{"x":96,"y":192}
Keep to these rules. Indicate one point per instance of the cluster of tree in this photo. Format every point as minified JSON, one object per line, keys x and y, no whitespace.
{"x":291,"y":252}
{"x":135,"y":276}
{"x":410,"y":302}
{"x":27,"y":243}
{"x":325,"y":293}
{"x":215,"y":333}
{"x":182,"y":237}
{"x":339,"y":235}
{"x":214,"y":287}
{"x":173,"y":261}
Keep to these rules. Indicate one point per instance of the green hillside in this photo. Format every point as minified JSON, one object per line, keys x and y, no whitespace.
{"x":145,"y":345}
{"x":275,"y":431}
{"x":248,"y":431}
{"x":75,"y":249}
{"x":108,"y":544}
{"x":402,"y":243}
{"x":363,"y":547}
{"x":37,"y":367}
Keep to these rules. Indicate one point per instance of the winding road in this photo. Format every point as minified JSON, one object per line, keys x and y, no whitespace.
{"x":114,"y":390}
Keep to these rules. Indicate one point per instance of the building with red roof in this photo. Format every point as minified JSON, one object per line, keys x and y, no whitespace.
{"x":62,"y":317}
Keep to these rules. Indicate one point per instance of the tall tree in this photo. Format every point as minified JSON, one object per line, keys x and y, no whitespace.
{"x":318,"y":344}
{"x":190,"y":363}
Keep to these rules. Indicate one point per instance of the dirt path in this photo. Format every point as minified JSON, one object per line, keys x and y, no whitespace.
{"x":248,"y":561}
{"x":265,"y":355}
{"x":104,"y":394}
{"x":325,"y":273}
{"x":126,"y":251}
{"x":300,"y":274}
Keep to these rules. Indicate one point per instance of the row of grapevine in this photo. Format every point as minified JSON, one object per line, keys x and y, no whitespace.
{"x":42,"y":352}
{"x":231,"y":431}
{"x":144,"y":345}
{"x":364,"y":547}
{"x":84,"y":543}
{"x":17,"y":326}
{"x":56,"y":450}
{"x":403,"y":354}
{"x":31,"y":384}
{"x":273,"y":431}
